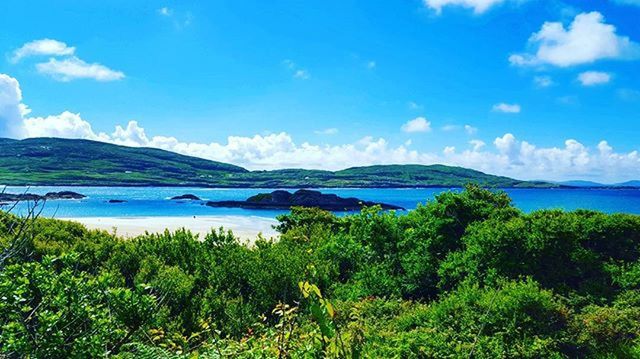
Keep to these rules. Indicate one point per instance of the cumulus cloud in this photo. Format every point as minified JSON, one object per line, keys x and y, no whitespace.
{"x":10,"y":108}
{"x":46,"y":47}
{"x":70,"y":67}
{"x":477,"y":145}
{"x":478,"y":6}
{"x":506,"y":108}
{"x":470,"y":130}
{"x":418,"y":124}
{"x":593,"y":78}
{"x":587,"y":39}
{"x":73,"y":68}
{"x":64,"y":125}
{"x":508,"y":156}
{"x":573,"y":160}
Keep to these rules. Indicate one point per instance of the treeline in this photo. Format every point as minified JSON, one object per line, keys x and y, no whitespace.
{"x":465,"y":275}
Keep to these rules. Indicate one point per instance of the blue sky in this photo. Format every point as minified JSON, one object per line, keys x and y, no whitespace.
{"x":337,"y":83}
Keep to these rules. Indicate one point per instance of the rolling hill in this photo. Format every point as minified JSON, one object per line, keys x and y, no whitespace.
{"x":590,"y":184}
{"x":55,"y":161}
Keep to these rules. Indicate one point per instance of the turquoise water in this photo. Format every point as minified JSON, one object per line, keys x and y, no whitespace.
{"x":153,"y":201}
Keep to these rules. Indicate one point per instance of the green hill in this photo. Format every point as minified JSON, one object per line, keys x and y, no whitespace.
{"x":54,"y":161}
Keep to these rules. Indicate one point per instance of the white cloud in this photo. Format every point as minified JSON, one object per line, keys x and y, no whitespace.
{"x":10,"y":109}
{"x":506,"y":144}
{"x":65,"y":125}
{"x":418,"y":124}
{"x":415,"y":106}
{"x":24,"y":110}
{"x":478,"y":6}
{"x":73,"y":68}
{"x":179,"y":20}
{"x":301,"y":74}
{"x":543,"y":81}
{"x":327,"y":131}
{"x":70,"y":67}
{"x":371,"y":65}
{"x":506,"y":108}
{"x":297,"y":72}
{"x":47,"y":47}
{"x":470,"y":130}
{"x":449,"y":150}
{"x":588,"y":39}
{"x":477,"y":145}
{"x":165,"y":11}
{"x":508,"y":156}
{"x":593,"y":78}
{"x":132,"y":135}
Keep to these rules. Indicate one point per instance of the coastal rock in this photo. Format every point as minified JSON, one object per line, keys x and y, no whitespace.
{"x":188,"y":196}
{"x":64,"y":195}
{"x":303,"y":198}
{"x":10,"y":197}
{"x":116,"y":201}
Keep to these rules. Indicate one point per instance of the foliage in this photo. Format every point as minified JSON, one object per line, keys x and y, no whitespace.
{"x":465,"y":275}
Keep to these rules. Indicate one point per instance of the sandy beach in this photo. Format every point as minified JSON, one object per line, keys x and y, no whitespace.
{"x":244,"y":227}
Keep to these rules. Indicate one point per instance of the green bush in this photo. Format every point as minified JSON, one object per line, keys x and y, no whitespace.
{"x":465,"y":275}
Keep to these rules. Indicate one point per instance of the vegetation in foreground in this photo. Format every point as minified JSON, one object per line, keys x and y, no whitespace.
{"x":466,"y":275}
{"x":70,"y":162}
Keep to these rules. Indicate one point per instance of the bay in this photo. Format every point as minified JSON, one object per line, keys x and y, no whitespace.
{"x":154,"y":201}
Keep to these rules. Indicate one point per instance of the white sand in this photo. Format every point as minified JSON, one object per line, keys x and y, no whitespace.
{"x":246,"y":228}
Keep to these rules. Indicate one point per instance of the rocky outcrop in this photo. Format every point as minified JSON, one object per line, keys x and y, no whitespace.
{"x":188,"y":197}
{"x":9,"y":197}
{"x":302,"y":198}
{"x":64,"y":195}
{"x":116,"y":201}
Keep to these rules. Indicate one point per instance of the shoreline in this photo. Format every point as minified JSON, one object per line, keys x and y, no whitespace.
{"x":244,"y":227}
{"x":314,"y":187}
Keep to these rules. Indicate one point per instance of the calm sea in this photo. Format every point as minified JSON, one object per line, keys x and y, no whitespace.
{"x":153,"y":201}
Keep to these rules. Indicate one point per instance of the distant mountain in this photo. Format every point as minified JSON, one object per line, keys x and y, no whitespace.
{"x":590,"y":184}
{"x":580,"y":183}
{"x":55,"y":161}
{"x":634,"y":183}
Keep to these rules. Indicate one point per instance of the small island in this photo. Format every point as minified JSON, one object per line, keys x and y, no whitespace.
{"x":10,"y":197}
{"x":188,"y":197}
{"x":303,"y":198}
